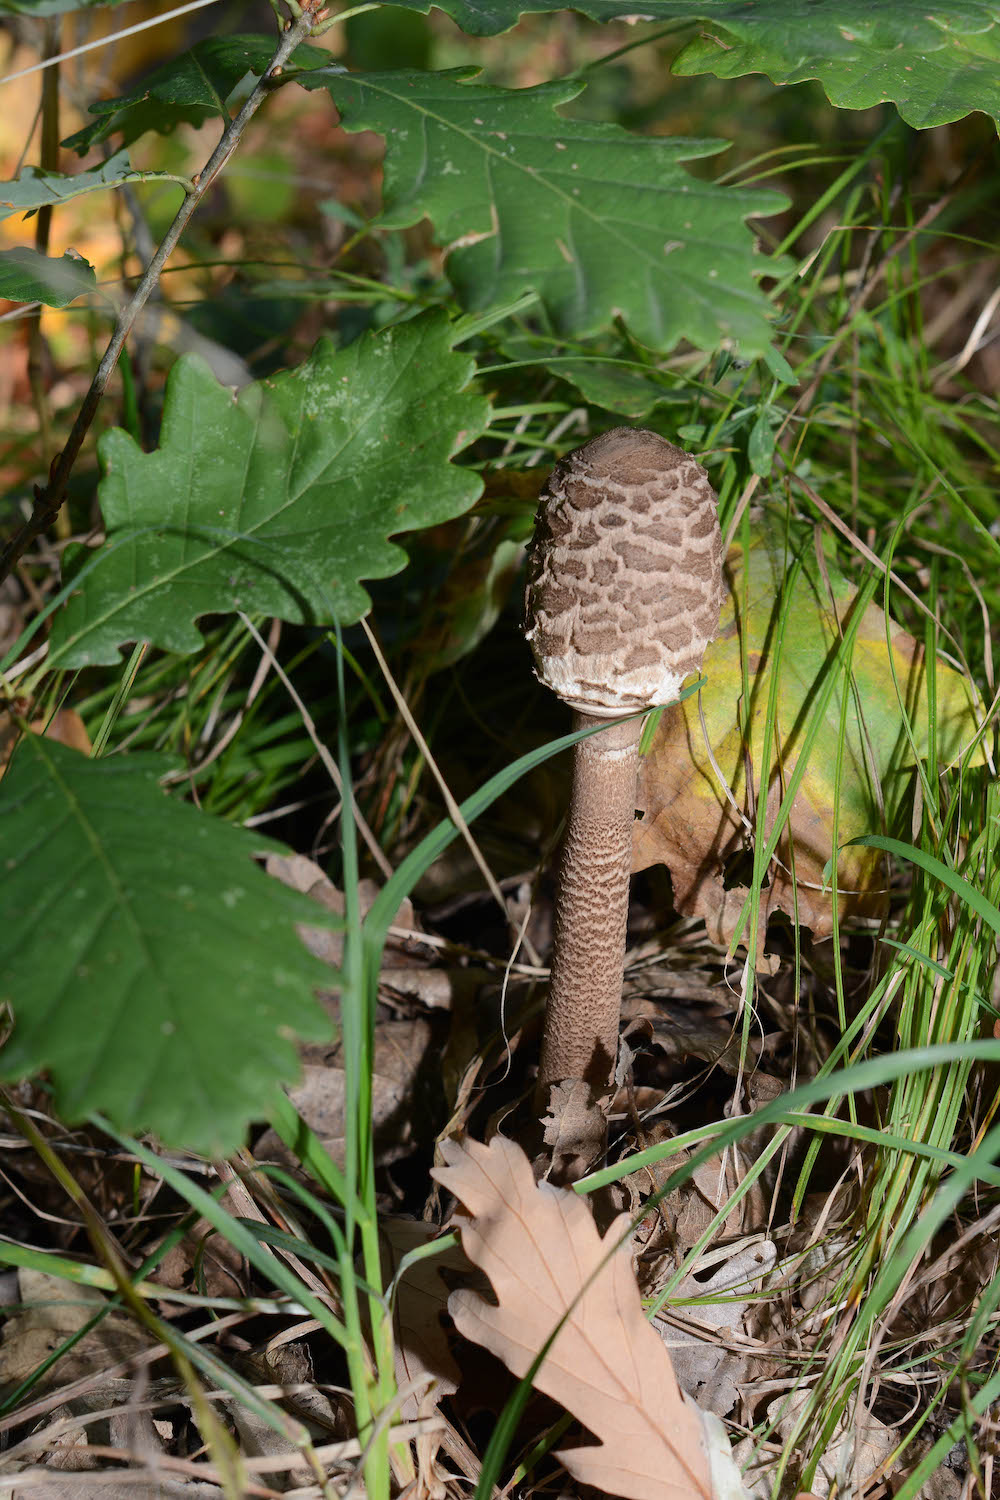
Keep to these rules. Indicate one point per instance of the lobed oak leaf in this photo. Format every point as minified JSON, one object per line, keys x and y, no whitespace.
{"x":935,"y":63}
{"x":166,"y":991}
{"x":554,"y":1276}
{"x":523,"y":197}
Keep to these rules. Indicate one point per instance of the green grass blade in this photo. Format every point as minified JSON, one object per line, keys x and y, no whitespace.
{"x":934,"y":867}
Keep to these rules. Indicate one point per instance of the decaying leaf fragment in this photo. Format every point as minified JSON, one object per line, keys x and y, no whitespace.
{"x":50,"y":1311}
{"x":712,"y":1368}
{"x":421,"y":1294}
{"x":542,"y":1252}
{"x":787,"y":608}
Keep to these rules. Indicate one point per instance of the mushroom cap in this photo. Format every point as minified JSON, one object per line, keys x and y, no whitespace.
{"x":624,"y":573}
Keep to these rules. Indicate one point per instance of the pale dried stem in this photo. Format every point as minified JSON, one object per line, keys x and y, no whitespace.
{"x":588,"y":963}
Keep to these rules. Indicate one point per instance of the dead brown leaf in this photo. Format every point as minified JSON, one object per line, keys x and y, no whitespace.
{"x":421,"y":1297}
{"x":305,"y":875}
{"x":398,"y":1103}
{"x":553,"y":1274}
{"x":855,"y":1454}
{"x":576,"y":1129}
{"x":65,"y":726}
{"x":203,"y":1260}
{"x":707,"y":1341}
{"x":52,"y":1309}
{"x":682,"y":1029}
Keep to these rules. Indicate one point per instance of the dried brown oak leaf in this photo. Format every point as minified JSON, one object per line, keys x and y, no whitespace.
{"x":542,"y":1252}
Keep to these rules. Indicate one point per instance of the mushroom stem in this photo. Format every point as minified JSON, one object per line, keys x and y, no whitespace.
{"x":588,"y":963}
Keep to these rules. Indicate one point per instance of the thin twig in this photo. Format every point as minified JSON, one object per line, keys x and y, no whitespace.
{"x":48,"y":500}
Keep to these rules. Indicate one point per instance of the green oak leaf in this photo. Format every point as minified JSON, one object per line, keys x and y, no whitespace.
{"x":35,"y":188}
{"x":49,"y":7}
{"x":57,"y":280}
{"x":598,"y":221}
{"x":192,"y":87}
{"x":613,"y":381}
{"x":280,"y":499}
{"x":936,"y":62}
{"x":153,"y":969}
{"x":489,"y":17}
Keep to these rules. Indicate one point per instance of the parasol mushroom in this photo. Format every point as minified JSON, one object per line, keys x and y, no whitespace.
{"x":624,"y":593}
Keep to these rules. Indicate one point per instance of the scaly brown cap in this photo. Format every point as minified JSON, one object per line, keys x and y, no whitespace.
{"x":624,"y":573}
